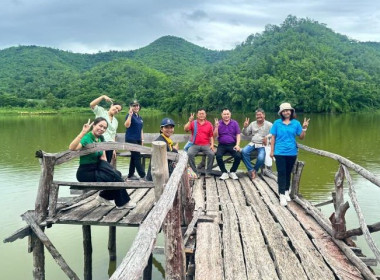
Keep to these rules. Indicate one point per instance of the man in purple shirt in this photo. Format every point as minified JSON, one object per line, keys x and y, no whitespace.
{"x":227,"y":132}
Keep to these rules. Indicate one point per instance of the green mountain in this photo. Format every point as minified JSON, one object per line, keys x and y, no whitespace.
{"x":301,"y":61}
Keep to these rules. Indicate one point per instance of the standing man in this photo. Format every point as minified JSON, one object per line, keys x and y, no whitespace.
{"x":227,"y":132}
{"x":259,"y":130}
{"x":204,"y":140}
{"x":110,"y":116}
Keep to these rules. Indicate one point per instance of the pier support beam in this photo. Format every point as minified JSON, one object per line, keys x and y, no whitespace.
{"x":112,"y":243}
{"x":87,"y":252}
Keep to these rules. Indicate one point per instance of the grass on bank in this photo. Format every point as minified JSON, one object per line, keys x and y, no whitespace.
{"x":71,"y":110}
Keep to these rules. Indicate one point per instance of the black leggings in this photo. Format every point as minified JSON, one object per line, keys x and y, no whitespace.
{"x":284,"y":166}
{"x":92,"y":173}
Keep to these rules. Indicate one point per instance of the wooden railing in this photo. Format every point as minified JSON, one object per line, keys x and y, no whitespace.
{"x":173,"y":205}
{"x":338,"y":222}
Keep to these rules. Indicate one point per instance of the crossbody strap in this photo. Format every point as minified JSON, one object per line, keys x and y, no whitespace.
{"x":195,"y":131}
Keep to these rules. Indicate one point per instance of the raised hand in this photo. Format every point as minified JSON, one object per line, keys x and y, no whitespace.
{"x":246,"y":122}
{"x":216,"y":122}
{"x":191,"y":118}
{"x":305,"y":123}
{"x":87,"y":126}
{"x":108,"y":99}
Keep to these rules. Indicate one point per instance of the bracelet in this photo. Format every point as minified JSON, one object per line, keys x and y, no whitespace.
{"x":304,"y":129}
{"x":142,"y":140}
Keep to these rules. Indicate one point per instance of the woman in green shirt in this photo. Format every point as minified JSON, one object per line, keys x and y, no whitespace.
{"x":95,"y":168}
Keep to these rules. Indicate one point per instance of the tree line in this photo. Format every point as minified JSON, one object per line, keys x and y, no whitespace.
{"x":300,"y":61}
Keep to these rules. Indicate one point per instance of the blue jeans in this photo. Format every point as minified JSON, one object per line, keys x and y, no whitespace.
{"x":246,"y":156}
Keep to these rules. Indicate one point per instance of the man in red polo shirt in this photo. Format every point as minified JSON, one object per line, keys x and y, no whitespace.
{"x":204,"y":140}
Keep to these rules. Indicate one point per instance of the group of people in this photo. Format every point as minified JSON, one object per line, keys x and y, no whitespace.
{"x":283,"y":147}
{"x":96,"y":167}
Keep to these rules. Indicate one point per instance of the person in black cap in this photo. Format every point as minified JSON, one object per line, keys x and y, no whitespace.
{"x":134,"y":134}
{"x":166,"y":131}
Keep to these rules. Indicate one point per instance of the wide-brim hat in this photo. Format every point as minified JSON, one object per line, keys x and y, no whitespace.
{"x":167,"y":121}
{"x":285,"y":106}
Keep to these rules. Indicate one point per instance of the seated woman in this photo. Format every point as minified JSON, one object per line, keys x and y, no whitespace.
{"x":95,"y":168}
{"x":166,"y":131}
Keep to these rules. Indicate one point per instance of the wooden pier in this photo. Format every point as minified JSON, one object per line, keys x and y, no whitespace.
{"x":214,"y":229}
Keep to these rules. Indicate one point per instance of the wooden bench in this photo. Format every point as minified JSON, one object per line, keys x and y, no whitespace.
{"x":179,"y":138}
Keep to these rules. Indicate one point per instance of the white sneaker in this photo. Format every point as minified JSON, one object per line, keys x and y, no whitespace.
{"x":103,"y":201}
{"x":128,"y":205}
{"x":224,"y":176}
{"x":287,"y":197}
{"x":283,"y":200}
{"x":233,"y":176}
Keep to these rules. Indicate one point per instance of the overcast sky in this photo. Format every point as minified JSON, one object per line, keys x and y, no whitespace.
{"x":90,"y":26}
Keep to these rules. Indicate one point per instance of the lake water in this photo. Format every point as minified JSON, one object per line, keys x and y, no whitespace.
{"x":354,"y":136}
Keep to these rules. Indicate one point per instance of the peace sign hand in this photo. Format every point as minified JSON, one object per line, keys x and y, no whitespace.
{"x":246,"y":123}
{"x":87,"y":126}
{"x":305,"y":123}
{"x":191,"y":117}
{"x":216,"y":122}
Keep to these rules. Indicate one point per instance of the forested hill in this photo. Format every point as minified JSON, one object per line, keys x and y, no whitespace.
{"x":300,"y":61}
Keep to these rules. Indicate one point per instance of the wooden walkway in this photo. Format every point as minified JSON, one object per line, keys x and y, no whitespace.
{"x":253,"y":237}
{"x":246,"y":235}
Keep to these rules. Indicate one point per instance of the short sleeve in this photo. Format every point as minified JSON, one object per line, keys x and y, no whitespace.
{"x":273,"y":129}
{"x":98,"y":111}
{"x":298,"y":128}
{"x":85,"y":140}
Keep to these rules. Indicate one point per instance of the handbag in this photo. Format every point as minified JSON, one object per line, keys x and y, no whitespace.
{"x":268,"y":159}
{"x":191,"y":143}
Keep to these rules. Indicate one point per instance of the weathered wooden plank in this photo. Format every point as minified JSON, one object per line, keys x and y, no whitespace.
{"x":233,"y":257}
{"x":106,"y":185}
{"x":19,"y":234}
{"x":115,"y":215}
{"x":331,"y":253}
{"x":286,"y":262}
{"x":326,"y":225}
{"x":137,"y":214}
{"x":78,"y":213}
{"x":53,"y":197}
{"x":311,"y":259}
{"x":191,"y":225}
{"x":259,"y":264}
{"x":198,"y":193}
{"x":208,"y":257}
{"x":97,"y":214}
{"x":31,"y":220}
{"x":212,"y":199}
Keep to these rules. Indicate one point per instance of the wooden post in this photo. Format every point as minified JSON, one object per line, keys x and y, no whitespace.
{"x":112,"y":243}
{"x":187,"y":201}
{"x":338,"y":221}
{"x":174,"y":247}
{"x":297,"y":172}
{"x":160,"y":169}
{"x":87,"y":252}
{"x":147,"y":275}
{"x":41,"y":207}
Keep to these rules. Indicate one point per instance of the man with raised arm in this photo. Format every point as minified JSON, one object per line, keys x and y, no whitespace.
{"x":259,"y":130}
{"x":203,"y":142}
{"x":227,"y":132}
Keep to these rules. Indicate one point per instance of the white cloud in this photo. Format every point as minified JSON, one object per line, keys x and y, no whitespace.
{"x":97,"y":25}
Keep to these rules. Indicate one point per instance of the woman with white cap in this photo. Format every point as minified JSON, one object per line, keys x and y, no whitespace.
{"x":284,"y":147}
